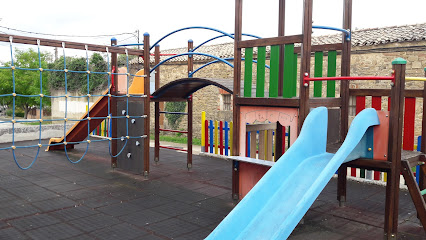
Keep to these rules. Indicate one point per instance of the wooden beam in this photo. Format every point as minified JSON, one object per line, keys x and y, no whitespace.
{"x":385,"y":92}
{"x":263,"y":42}
{"x":70,"y":45}
{"x":326,"y":102}
{"x":271,"y":102}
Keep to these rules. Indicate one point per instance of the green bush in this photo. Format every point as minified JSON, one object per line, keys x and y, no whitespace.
{"x":18,"y":112}
{"x":174,"y":119}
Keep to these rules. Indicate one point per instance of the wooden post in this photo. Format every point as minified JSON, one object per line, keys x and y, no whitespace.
{"x":394,"y":149}
{"x":236,"y":95}
{"x":146,"y":54}
{"x":237,"y":76}
{"x":279,"y":141}
{"x":189,"y":155}
{"x":114,"y":91}
{"x":281,"y":32}
{"x":305,"y":62}
{"x":422,"y":175}
{"x":190,"y":109}
{"x":344,"y":95}
{"x":157,"y":107}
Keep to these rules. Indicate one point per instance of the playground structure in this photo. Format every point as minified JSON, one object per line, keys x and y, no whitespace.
{"x":283,"y":105}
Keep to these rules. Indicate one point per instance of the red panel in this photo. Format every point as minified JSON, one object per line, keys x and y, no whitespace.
{"x":206,"y":136}
{"x":377,"y":103}
{"x":249,"y":175}
{"x":360,"y":104}
{"x":221,"y":137}
{"x":409,"y":116}
{"x":389,"y":103}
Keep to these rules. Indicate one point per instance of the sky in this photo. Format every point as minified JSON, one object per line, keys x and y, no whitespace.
{"x":159,"y":17}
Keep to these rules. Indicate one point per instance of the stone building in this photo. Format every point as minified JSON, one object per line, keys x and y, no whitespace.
{"x":372,"y":53}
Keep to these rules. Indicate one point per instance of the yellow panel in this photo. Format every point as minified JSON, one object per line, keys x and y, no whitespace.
{"x":137,"y":84}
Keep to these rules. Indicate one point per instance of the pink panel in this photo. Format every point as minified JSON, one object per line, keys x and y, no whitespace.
{"x":381,"y":136}
{"x":249,"y":175}
{"x":122,"y":81}
{"x":286,"y":117}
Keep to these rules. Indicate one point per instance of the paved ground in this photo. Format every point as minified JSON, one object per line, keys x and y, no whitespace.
{"x":59,"y":200}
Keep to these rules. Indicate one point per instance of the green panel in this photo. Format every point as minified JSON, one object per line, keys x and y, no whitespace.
{"x":248,"y":70}
{"x":289,"y":85}
{"x":274,"y":71}
{"x":318,"y":73}
{"x":294,"y":73}
{"x":331,"y":72}
{"x":260,"y":80}
{"x":423,"y":192}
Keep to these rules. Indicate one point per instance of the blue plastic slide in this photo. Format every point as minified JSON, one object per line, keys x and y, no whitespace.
{"x":277,"y":203}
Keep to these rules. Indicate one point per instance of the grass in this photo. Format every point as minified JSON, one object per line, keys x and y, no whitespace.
{"x":37,"y":123}
{"x":177,"y":139}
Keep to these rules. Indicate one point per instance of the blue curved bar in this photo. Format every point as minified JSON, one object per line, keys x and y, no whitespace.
{"x":347,"y":33}
{"x":215,"y":61}
{"x":220,"y":36}
{"x":194,"y":27}
{"x":190,"y":54}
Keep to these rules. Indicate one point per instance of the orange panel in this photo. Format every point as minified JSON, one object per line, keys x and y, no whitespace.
{"x":137,"y":84}
{"x":381,"y":136}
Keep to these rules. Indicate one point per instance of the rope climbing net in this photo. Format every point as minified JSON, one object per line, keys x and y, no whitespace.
{"x":110,"y":72}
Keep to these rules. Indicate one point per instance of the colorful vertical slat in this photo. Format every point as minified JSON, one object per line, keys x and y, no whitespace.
{"x":216,"y":139}
{"x":331,"y":72}
{"x":409,"y":117}
{"x":221,"y":137}
{"x":206,"y":135}
{"x":260,"y":80}
{"x":226,"y":138}
{"x":274,"y":71}
{"x":231,"y":129}
{"x":294,"y":74}
{"x":318,"y":73}
{"x":211,"y":128}
{"x":376,"y":103}
{"x":289,"y":85}
{"x":360,"y":105}
{"x":248,"y":71}
{"x":203,"y":131}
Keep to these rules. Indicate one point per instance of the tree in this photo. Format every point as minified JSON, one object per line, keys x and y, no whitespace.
{"x":27,"y":82}
{"x":78,"y":80}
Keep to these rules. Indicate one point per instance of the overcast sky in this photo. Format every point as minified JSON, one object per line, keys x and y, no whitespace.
{"x":159,"y":17}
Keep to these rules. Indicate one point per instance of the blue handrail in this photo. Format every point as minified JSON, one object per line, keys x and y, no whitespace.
{"x":347,"y":32}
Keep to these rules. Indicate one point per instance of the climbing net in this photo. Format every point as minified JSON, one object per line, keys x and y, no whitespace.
{"x":110,"y":72}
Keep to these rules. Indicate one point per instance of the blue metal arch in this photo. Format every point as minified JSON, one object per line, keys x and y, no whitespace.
{"x":187,"y":28}
{"x":190,"y":54}
{"x":220,"y":36}
{"x":209,"y":63}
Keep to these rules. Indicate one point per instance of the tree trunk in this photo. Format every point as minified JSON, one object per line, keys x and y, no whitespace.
{"x":26,"y":110}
